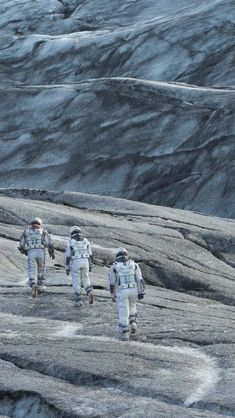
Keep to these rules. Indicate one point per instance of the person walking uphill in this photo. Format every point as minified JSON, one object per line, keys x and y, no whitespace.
{"x":78,"y":259}
{"x":126,"y":279}
{"x":33,"y":242}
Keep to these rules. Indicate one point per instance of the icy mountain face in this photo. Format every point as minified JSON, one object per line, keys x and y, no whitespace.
{"x":132,"y":131}
{"x":154,"y":42}
{"x":157,"y":143}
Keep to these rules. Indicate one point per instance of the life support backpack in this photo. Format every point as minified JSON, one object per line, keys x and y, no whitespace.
{"x":125,"y":273}
{"x":79,"y":249}
{"x":34,"y":238}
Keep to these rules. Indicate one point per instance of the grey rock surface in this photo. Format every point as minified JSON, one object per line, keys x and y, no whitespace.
{"x":168,"y":236}
{"x":60,"y":360}
{"x":136,"y":130}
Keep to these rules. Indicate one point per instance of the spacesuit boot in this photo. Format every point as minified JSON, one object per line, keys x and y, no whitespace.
{"x":133,"y":326}
{"x":90,"y":294}
{"x":90,"y":297}
{"x":31,"y":282}
{"x":125,"y":336}
{"x":124,"y":333}
{"x":42,"y":284}
{"x":35,"y":292}
{"x":77,"y":299}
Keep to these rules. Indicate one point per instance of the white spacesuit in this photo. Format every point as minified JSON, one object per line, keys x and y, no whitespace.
{"x":126,"y":279}
{"x":33,"y":242}
{"x":78,"y":260}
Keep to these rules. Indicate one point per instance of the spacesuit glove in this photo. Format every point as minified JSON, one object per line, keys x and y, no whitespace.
{"x":51,"y":251}
{"x":23,"y":251}
{"x":140,"y":296}
{"x":113,"y":293}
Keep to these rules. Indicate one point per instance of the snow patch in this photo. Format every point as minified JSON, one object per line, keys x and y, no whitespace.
{"x":69,"y":330}
{"x":207,"y":377}
{"x":205,"y":371}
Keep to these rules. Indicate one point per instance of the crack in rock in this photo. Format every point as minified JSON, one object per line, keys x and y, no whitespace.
{"x":26,"y":404}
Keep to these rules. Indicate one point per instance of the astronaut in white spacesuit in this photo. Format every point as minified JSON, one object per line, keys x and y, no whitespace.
{"x":125,"y":279}
{"x":33,"y":242}
{"x":78,"y":260}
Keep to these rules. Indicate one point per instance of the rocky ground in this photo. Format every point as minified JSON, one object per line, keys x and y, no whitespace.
{"x":61,"y":360}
